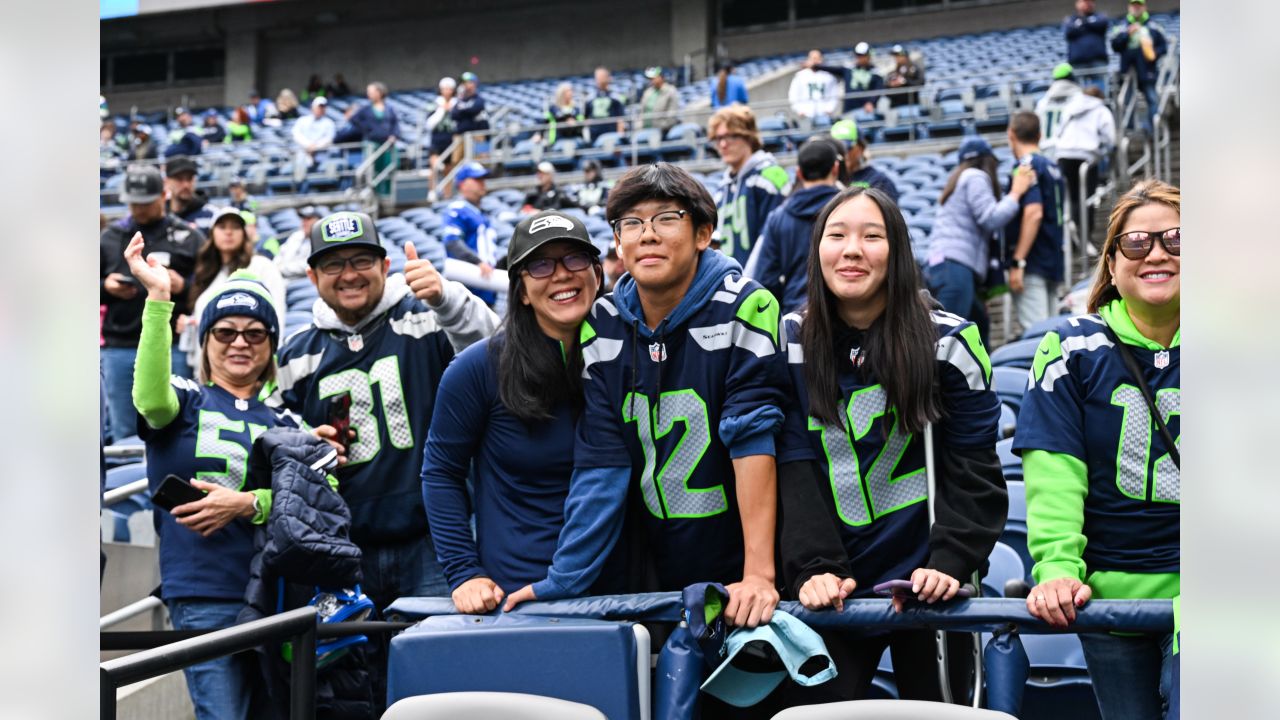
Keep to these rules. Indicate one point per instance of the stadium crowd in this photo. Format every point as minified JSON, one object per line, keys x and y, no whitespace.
{"x":749,"y":374}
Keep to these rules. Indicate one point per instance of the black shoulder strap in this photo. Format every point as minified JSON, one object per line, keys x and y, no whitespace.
{"x":1131,"y":364}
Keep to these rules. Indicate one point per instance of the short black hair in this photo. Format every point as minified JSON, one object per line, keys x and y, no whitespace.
{"x":662,"y":181}
{"x":1025,"y":126}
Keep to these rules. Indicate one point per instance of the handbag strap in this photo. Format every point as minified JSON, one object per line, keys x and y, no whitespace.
{"x":1131,"y":364}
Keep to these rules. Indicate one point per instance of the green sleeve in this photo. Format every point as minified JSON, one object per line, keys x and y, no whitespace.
{"x":153,"y":396}
{"x":1057,"y":485}
{"x":265,"y":498}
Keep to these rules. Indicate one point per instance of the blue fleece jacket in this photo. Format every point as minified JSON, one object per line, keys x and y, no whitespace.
{"x":784,"y":245}
{"x":370,"y":125}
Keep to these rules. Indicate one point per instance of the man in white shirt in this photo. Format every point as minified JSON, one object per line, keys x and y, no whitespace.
{"x":814,"y":94}
{"x":291,"y":259}
{"x":312,"y":134}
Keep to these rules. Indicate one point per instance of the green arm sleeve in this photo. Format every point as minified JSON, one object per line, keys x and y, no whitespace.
{"x":153,"y":396}
{"x":1057,"y":485}
{"x":265,"y":498}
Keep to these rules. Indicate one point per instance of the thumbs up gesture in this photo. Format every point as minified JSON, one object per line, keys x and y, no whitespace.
{"x":424,"y":281}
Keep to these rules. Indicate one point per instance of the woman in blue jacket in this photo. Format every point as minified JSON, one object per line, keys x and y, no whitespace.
{"x":507,"y":407}
{"x":374,"y":124}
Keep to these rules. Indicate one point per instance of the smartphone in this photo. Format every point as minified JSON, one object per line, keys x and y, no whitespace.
{"x":903,"y":588}
{"x":340,"y":418}
{"x":175,"y":491}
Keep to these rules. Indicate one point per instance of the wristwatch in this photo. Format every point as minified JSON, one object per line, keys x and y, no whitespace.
{"x":1020,"y":263}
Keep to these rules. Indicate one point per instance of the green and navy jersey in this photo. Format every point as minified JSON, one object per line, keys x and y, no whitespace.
{"x":873,"y":471}
{"x":1081,"y":401}
{"x":1045,"y":258}
{"x":676,"y":404}
{"x":744,"y":201}
{"x":209,"y":440}
{"x":391,"y":368}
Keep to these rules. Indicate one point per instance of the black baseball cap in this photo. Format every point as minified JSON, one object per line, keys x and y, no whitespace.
{"x":817,"y":157}
{"x":547,"y":226}
{"x":142,"y":184}
{"x":344,"y":229}
{"x":180,"y":165}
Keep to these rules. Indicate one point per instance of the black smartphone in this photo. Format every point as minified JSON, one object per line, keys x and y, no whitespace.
{"x":175,"y":491}
{"x":340,"y":418}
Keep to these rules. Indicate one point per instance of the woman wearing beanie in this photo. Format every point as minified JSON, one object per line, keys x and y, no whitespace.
{"x":203,"y":432}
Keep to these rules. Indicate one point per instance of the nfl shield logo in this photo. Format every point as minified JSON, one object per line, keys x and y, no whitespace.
{"x":855,"y":357}
{"x":657,"y":352}
{"x":355,"y":342}
{"x":1162,"y":359}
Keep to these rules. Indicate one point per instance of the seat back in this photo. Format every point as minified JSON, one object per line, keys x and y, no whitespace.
{"x":509,"y":706}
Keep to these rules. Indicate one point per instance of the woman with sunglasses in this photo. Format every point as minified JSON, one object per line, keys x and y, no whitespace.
{"x":203,"y":432}
{"x":1101,"y":468}
{"x":507,"y":408}
{"x":873,"y":364}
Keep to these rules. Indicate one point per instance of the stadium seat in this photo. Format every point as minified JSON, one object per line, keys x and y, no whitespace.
{"x":1003,"y":565}
{"x":1017,"y":354}
{"x":1008,"y":421}
{"x":508,"y":706}
{"x":888,"y":710}
{"x":1010,"y":383}
{"x":682,"y":140}
{"x":1038,"y":330}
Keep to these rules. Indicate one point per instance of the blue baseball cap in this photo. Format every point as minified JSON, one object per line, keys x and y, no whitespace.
{"x":469,"y":77}
{"x":470,"y":170}
{"x":972,"y":148}
{"x":758,"y":659}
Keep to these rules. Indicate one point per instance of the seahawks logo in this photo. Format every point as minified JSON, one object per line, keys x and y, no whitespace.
{"x":235,"y":299}
{"x":342,"y":228}
{"x":550,"y":221}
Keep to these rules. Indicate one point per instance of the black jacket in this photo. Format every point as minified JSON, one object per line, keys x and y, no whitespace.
{"x":123,"y":322}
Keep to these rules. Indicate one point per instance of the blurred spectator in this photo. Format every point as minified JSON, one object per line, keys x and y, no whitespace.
{"x":287,"y":104}
{"x":291,"y":260}
{"x":546,"y":196}
{"x":469,"y":111}
{"x":375,"y":123}
{"x":753,"y":183}
{"x":312,"y":134}
{"x":1086,"y":34}
{"x":613,"y":267}
{"x":604,"y":104}
{"x":467,"y":235}
{"x":727,"y":88}
{"x":260,"y":108}
{"x":1078,"y":127}
{"x":970,"y":210}
{"x":238,"y":129}
{"x":1035,"y":233}
{"x":781,"y":257}
{"x":185,"y":200}
{"x":212,"y":130}
{"x":103,"y":111}
{"x":315,"y":88}
{"x":594,"y":191}
{"x":172,"y":243}
{"x":659,"y":102}
{"x":442,"y":131}
{"x":110,"y":151}
{"x":814,"y":95}
{"x":563,"y":116}
{"x":906,"y":73}
{"x":240,"y":198}
{"x":862,"y":78}
{"x":1140,"y":44}
{"x":185,"y":140}
{"x":339,"y":87}
{"x":143,"y":148}
{"x":857,"y":169}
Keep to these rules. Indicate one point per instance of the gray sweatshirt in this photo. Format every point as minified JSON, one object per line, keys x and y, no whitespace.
{"x":967,"y":219}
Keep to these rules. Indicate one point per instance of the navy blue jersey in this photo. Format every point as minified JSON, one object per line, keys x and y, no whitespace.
{"x":873,"y":470}
{"x":209,"y":440}
{"x":1045,"y":257}
{"x":744,"y":200}
{"x":676,"y":404}
{"x":1082,"y":401}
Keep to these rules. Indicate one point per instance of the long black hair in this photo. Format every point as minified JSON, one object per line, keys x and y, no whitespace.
{"x":898,"y":348}
{"x":533,"y":377}
{"x":985,"y":162}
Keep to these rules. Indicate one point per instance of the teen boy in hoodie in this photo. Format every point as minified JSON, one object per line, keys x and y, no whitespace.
{"x":683,"y":394}
{"x":753,"y":183}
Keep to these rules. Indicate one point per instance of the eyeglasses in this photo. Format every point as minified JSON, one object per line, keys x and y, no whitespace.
{"x":226,"y":335}
{"x":545,"y":267}
{"x":359,"y":263}
{"x":1137,"y":245}
{"x":664,"y":224}
{"x":726,"y":137}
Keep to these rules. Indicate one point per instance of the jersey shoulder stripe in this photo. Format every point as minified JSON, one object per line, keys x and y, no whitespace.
{"x":960,"y":346}
{"x":1078,"y":336}
{"x":416,"y":325}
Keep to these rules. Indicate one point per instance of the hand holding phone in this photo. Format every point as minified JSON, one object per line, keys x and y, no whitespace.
{"x":340,"y":419}
{"x":175,"y":491}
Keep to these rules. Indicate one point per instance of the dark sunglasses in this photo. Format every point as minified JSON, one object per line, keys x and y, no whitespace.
{"x":1137,"y":245}
{"x":546,"y":267}
{"x":226,"y":335}
{"x":359,"y":263}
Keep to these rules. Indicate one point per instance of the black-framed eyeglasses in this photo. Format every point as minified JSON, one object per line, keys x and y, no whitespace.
{"x":359,"y":263}
{"x":227,"y":335}
{"x":664,"y":224}
{"x":545,"y":267}
{"x":725,"y":137}
{"x":1137,"y":245}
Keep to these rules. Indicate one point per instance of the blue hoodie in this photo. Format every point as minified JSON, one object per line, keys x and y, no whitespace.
{"x":783,"y":250}
{"x":713,"y":376}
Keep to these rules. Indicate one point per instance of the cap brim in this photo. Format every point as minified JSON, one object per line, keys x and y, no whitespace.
{"x":585,"y":244}
{"x":739,"y":687}
{"x":378,"y":249}
{"x":130,"y":199}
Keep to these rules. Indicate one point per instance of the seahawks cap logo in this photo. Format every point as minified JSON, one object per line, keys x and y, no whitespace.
{"x":240,"y":298}
{"x":342,"y":228}
{"x":550,"y":221}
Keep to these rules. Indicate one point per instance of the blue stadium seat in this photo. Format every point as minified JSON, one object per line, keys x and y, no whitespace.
{"x":1018,"y":353}
{"x":1008,"y":421}
{"x":1010,"y":384}
{"x":1003,"y":565}
{"x":1038,"y":330}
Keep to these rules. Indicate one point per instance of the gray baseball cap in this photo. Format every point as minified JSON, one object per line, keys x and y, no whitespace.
{"x":142,"y":184}
{"x":344,"y":229}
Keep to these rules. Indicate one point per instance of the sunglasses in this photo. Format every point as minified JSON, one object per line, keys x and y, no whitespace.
{"x":359,"y":263}
{"x":1137,"y":245}
{"x":226,"y":335}
{"x":545,"y":267}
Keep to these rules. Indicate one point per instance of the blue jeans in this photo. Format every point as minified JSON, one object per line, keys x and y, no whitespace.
{"x":406,"y":569}
{"x":955,"y":285}
{"x":219,"y":689}
{"x":1132,"y":675}
{"x":1148,"y":119}
{"x":117,"y":374}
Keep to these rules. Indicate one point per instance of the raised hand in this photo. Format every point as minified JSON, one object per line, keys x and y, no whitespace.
{"x":154,"y":277}
{"x":423,"y":279}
